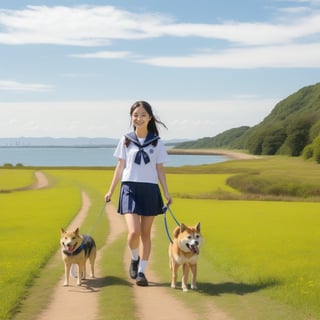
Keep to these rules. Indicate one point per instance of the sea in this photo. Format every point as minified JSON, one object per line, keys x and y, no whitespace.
{"x":86,"y":157}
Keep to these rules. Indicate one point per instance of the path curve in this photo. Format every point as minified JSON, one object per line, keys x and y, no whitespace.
{"x":81,"y":302}
{"x":67,"y":302}
{"x":41,"y":181}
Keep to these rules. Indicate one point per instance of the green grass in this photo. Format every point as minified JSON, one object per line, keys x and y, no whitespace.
{"x":14,"y":179}
{"x":116,"y":299}
{"x":259,"y":260}
{"x":199,"y":186}
{"x":28,"y":234}
{"x":96,"y":222}
{"x":258,"y":247}
{"x":281,"y":177}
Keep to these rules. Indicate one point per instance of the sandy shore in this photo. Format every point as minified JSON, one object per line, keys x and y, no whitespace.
{"x":229,"y":153}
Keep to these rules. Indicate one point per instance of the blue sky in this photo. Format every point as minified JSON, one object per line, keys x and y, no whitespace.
{"x":71,"y":68}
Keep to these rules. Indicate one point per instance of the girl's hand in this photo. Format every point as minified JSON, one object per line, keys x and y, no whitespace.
{"x":169,"y":199}
{"x":107,"y":197}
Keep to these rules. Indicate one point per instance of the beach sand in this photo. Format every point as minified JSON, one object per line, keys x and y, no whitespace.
{"x":221,"y":152}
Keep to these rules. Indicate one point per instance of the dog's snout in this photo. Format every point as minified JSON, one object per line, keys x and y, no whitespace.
{"x":196,"y":243}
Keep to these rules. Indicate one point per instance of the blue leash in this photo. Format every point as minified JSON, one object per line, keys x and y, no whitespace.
{"x":164,"y":210}
{"x":98,"y":218}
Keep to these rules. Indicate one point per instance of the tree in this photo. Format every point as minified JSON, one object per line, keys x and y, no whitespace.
{"x":298,"y":134}
{"x":273,"y":140}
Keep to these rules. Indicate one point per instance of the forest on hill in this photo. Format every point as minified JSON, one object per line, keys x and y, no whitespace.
{"x":292,"y":128}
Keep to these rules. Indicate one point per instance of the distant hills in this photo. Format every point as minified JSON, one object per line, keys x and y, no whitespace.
{"x":66,"y":142}
{"x":292,"y":128}
{"x":58,"y":142}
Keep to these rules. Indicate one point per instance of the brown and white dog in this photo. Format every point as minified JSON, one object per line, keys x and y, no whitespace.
{"x":184,"y":250}
{"x":77,"y":249}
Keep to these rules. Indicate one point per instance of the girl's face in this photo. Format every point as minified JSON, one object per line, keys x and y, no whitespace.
{"x":140,"y":118}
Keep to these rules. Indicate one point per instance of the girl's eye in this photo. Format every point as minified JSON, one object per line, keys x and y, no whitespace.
{"x":141,"y":115}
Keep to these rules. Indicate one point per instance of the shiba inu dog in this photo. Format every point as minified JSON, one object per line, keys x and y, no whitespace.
{"x":184,"y":250}
{"x":77,"y":249}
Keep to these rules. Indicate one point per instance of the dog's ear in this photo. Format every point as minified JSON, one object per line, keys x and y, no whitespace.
{"x":176,"y":232}
{"x":76,"y":231}
{"x":182,"y":227}
{"x":198,"y":226}
{"x":62,"y":231}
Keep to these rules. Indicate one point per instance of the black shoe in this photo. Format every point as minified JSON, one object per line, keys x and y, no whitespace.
{"x":142,"y":280}
{"x":133,"y":271}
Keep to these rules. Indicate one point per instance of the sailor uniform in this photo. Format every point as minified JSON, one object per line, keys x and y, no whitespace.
{"x":140,"y":192}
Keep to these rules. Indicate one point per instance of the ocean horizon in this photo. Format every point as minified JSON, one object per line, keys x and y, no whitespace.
{"x":91,"y":156}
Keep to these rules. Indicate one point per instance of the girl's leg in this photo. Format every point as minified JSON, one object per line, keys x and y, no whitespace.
{"x":145,"y":231}
{"x":134,"y":230}
{"x":146,"y":224}
{"x":133,"y":223}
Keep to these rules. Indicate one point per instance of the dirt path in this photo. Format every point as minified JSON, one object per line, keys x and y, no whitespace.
{"x":81,"y":302}
{"x":41,"y":182}
{"x":67,"y":301}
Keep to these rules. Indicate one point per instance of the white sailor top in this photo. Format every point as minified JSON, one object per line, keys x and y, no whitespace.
{"x":141,"y":160}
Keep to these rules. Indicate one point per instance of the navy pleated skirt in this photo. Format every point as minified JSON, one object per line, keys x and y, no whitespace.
{"x":141,"y":198}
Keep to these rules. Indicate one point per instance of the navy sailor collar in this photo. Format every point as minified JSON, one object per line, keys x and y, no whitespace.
{"x":150,"y":138}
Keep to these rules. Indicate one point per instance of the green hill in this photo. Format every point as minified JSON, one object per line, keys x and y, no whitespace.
{"x":223,"y":139}
{"x":292,"y":128}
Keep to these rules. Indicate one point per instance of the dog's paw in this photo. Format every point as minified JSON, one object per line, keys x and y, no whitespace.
{"x":194,"y":287}
{"x":173,"y":286}
{"x":66,"y":284}
{"x":185,"y":289}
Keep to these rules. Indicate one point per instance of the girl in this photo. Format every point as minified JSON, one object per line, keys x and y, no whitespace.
{"x":141,"y":155}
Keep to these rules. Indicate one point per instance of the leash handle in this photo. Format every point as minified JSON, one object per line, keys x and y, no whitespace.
{"x":167,"y":208}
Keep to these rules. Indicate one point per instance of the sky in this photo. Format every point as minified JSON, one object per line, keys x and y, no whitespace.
{"x":73,"y":69}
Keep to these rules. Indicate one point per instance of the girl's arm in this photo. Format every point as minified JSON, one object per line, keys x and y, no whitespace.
{"x":116,"y":178}
{"x":163,"y":182}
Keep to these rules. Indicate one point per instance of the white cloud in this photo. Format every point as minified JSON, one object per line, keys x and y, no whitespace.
{"x":104,"y":55}
{"x":95,"y":26}
{"x":8,"y":85}
{"x":282,"y":56}
{"x":184,"y":119}
{"x":195,"y":119}
{"x":81,"y":25}
{"x":253,"y":33}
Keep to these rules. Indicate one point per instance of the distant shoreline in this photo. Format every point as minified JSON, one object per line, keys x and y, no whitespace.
{"x":216,"y":152}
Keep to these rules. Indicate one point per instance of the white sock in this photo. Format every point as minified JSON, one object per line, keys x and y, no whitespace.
{"x":142,"y":265}
{"x":134,"y":254}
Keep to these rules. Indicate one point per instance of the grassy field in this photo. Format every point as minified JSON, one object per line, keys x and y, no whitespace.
{"x":15,"y":179}
{"x":258,"y":253}
{"x":259,"y":247}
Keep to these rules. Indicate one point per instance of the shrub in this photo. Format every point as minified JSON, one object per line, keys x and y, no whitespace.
{"x":307,"y":152}
{"x":316,"y":149}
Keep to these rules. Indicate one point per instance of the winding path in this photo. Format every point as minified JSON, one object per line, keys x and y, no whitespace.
{"x":81,"y":302}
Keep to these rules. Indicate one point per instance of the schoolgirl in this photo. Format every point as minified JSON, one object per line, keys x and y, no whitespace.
{"x":141,"y":155}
